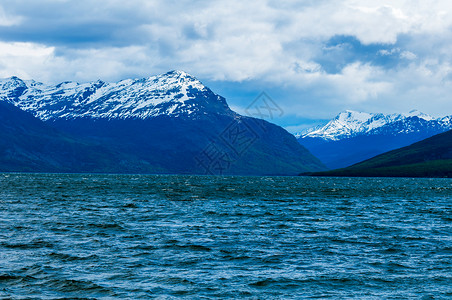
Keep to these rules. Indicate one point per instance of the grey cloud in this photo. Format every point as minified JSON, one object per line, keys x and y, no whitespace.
{"x":74,"y":23}
{"x":287,"y":45}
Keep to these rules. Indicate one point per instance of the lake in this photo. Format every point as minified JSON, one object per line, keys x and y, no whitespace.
{"x":172,"y":237}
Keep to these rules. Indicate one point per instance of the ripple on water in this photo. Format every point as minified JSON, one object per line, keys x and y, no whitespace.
{"x":132,"y":236}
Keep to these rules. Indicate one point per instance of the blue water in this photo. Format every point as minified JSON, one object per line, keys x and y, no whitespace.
{"x":195,"y":237}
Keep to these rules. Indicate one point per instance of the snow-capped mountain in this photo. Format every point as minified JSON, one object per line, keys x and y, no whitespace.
{"x":352,"y":123}
{"x":175,"y":93}
{"x":352,"y":137}
{"x":169,"y":123}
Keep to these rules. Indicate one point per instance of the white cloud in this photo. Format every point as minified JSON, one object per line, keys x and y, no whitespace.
{"x":236,"y":40}
{"x":23,"y":59}
{"x":408,"y":55}
{"x":275,"y":43}
{"x":40,"y":62}
{"x":8,"y":20}
{"x":385,"y":52}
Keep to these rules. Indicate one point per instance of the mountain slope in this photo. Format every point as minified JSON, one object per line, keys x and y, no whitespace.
{"x":29,"y":145}
{"x":352,"y":137}
{"x":431,"y":157}
{"x":169,"y":123}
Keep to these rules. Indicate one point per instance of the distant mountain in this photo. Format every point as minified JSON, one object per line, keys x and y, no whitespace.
{"x":431,"y":157}
{"x":169,"y":123}
{"x":352,"y":136}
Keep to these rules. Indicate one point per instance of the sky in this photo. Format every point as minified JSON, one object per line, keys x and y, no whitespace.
{"x":314,"y":58}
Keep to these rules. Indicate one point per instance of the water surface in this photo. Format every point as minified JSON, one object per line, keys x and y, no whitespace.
{"x":137,"y":236}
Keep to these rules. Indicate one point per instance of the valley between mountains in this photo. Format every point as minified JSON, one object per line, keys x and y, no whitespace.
{"x":378,"y":145}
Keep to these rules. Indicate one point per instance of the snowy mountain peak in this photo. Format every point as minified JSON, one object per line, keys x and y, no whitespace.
{"x":353,"y":115}
{"x":12,"y":87}
{"x":350,"y":118}
{"x":174,"y":93}
{"x":11,"y":83}
{"x":352,"y":123}
{"x":420,"y":115}
{"x":179,"y":74}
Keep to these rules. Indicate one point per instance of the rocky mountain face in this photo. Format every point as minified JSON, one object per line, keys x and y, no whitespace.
{"x":352,"y":137}
{"x":169,"y":123}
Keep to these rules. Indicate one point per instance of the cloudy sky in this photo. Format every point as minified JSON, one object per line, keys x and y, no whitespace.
{"x":315,"y":58}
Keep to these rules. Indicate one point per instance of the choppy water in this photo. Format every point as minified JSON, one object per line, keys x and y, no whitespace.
{"x":132,"y":236}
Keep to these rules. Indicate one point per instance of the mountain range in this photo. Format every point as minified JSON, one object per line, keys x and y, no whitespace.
{"x":431,"y":157}
{"x":352,"y":137}
{"x":170,"y":123}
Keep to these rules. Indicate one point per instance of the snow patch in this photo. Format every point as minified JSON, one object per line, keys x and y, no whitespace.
{"x":352,"y":123}
{"x":131,"y":98}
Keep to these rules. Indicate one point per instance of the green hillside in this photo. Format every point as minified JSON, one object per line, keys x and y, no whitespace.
{"x":431,"y":157}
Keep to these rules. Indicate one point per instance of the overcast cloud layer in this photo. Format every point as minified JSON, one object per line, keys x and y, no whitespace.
{"x":314,"y":57}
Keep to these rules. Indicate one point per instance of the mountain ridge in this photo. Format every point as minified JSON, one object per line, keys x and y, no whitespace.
{"x":352,"y":137}
{"x":169,"y":123}
{"x":172,"y":93}
{"x":351,"y":123}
